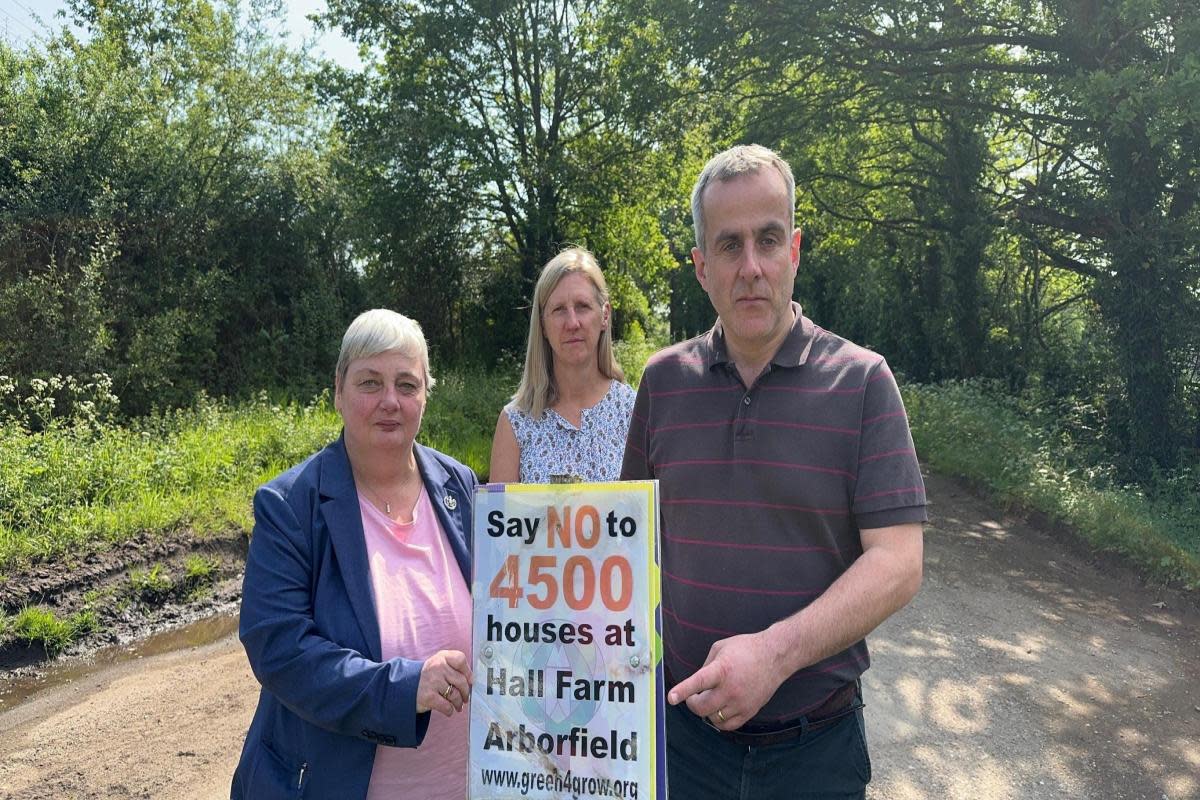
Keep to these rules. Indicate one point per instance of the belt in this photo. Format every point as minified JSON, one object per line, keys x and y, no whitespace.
{"x":841,"y":703}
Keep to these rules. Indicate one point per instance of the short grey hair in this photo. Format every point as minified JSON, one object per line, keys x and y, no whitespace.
{"x":743,"y":159}
{"x":378,"y":330}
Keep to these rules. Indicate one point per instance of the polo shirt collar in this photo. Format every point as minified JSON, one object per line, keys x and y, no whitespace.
{"x":792,"y":353}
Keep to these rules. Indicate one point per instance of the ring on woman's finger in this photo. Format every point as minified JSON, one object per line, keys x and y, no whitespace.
{"x":449,"y":689}
{"x":721,"y":715}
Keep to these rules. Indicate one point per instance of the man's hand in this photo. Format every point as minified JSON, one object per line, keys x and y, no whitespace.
{"x":743,"y":672}
{"x":737,"y":679}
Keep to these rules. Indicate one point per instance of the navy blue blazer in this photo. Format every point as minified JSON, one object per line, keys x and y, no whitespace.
{"x":310,"y":631}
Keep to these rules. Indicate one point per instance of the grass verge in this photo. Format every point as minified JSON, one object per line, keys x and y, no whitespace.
{"x":34,"y":625}
{"x":961,"y":429}
{"x":70,"y":488}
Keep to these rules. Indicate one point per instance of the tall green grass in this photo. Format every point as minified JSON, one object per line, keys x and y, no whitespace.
{"x":460,"y":417}
{"x":963,"y":429}
{"x":69,"y":488}
{"x":35,"y":625}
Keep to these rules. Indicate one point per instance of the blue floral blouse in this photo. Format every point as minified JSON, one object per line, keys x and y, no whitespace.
{"x":592,"y":452}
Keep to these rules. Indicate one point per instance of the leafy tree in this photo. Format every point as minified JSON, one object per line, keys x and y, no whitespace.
{"x":1073,"y":119}
{"x":170,"y":213}
{"x":57,"y":238}
{"x":875,"y":165}
{"x":1106,"y":103}
{"x":493,"y":135}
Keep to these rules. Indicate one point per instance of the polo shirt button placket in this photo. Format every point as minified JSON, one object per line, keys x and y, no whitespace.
{"x":743,"y":428}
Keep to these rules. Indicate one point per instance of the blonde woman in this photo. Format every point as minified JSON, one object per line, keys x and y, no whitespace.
{"x":571,"y":412}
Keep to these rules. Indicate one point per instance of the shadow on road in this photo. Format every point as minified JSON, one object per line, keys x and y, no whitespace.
{"x":1021,"y":671}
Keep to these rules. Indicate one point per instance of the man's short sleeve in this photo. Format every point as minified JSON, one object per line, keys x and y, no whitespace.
{"x":889,"y":489}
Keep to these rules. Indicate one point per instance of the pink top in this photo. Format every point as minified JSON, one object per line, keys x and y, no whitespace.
{"x":423,"y":606}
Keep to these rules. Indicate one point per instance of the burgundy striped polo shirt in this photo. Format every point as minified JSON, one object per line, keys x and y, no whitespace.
{"x":764,"y":490}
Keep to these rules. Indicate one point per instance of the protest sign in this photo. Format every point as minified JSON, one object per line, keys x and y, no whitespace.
{"x":566,"y":650}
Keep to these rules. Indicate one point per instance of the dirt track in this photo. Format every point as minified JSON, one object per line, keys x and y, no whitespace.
{"x":1021,"y":671}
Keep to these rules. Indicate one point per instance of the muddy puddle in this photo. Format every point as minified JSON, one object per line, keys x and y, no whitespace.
{"x":18,"y":689}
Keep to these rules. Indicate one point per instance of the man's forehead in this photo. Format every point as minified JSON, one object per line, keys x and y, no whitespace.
{"x":760,"y":225}
{"x":764,"y":211}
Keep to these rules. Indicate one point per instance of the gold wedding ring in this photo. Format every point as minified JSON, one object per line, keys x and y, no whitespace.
{"x":446,"y":694}
{"x":720,"y":715}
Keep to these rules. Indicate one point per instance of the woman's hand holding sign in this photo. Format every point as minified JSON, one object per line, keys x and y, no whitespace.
{"x":445,"y":684}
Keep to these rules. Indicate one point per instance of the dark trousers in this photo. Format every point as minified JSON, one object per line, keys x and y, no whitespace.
{"x":829,"y":763}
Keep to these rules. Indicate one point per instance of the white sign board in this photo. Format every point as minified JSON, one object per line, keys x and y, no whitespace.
{"x":566,"y":645}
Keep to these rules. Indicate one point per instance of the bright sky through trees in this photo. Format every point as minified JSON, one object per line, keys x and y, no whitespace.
{"x":24,"y":21}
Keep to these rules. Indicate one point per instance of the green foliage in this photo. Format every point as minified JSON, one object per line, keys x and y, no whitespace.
{"x":152,"y":585}
{"x":69,"y":488}
{"x":199,"y":570}
{"x":460,"y":417}
{"x":478,"y":163}
{"x":166,"y":213}
{"x":970,"y":174}
{"x":634,"y":351}
{"x":964,"y":429}
{"x":157,"y":585}
{"x":34,"y":625}
{"x":86,"y":406}
{"x":194,"y":468}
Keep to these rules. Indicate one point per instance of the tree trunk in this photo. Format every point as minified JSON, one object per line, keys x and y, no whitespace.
{"x":1138,"y":302}
{"x":1150,"y":382}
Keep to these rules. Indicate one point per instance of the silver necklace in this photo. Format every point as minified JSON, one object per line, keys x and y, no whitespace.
{"x":387,"y":507}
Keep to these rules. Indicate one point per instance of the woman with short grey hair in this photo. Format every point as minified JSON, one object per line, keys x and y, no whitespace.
{"x":356,"y":611}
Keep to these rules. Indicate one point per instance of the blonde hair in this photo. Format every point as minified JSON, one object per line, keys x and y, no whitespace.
{"x":380,"y":329}
{"x":537,"y":390}
{"x":743,"y":159}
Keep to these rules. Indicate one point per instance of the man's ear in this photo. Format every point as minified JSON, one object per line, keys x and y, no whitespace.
{"x":698,"y":262}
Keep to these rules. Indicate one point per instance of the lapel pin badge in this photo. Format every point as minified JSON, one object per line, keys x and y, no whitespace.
{"x":449,"y":502}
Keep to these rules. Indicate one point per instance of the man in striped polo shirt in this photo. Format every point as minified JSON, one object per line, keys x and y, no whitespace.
{"x":792,"y":510}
